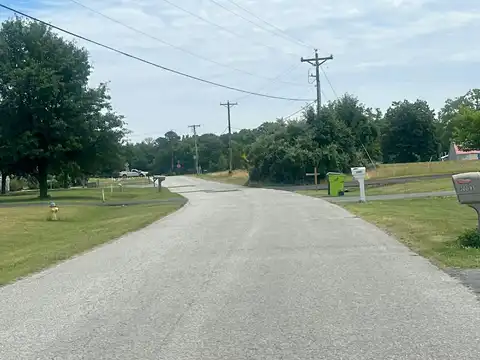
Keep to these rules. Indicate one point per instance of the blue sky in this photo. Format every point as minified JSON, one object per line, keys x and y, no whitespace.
{"x":384,"y":51}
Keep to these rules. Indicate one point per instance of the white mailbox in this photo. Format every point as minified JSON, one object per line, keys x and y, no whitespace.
{"x":359,"y":174}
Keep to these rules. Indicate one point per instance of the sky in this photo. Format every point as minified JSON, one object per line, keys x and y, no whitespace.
{"x":383,"y":51}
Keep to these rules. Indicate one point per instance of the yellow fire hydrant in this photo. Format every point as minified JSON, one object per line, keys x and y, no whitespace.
{"x":53,"y":210}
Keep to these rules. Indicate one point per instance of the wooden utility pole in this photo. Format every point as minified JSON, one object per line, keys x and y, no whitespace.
{"x":317,"y":62}
{"x":194,"y":128}
{"x":229,"y":105}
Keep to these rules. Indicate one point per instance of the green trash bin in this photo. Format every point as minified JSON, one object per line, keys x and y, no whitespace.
{"x":336,"y":183}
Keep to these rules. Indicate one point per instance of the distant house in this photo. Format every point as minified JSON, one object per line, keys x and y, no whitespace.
{"x":456,"y":153}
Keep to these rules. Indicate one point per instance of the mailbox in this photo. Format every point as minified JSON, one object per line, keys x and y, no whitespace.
{"x":359,"y":172}
{"x":467,"y":187}
{"x":158,"y":179}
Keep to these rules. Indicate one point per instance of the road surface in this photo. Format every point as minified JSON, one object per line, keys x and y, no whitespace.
{"x":243,"y":273}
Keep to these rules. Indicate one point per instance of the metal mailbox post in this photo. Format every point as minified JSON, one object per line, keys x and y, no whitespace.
{"x":467,"y":187}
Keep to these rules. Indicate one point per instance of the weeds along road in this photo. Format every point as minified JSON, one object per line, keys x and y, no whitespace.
{"x":243,"y":273}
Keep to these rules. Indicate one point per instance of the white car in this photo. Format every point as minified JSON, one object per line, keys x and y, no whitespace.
{"x":132,"y":173}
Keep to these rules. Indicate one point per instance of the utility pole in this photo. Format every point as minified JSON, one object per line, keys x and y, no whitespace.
{"x":229,"y":105}
{"x":194,"y":127}
{"x":317,"y":62}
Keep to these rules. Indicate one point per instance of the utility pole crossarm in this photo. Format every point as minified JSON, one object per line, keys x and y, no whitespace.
{"x":313,"y":60}
{"x":229,"y":105}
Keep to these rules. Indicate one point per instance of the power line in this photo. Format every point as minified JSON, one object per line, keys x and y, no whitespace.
{"x":221,"y":27}
{"x":329,"y":83}
{"x":301,"y":109}
{"x":147,"y":61}
{"x":251,"y":22}
{"x":172,"y":45}
{"x":274,"y":80}
{"x":287,"y":36}
{"x":298,"y":41}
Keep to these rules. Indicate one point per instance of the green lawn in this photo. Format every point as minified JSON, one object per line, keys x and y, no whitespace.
{"x":90,"y":195}
{"x":384,"y":171}
{"x":428,"y":226}
{"x":407,"y":188}
{"x":29,"y":242}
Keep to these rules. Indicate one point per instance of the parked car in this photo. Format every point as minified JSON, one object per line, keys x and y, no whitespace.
{"x":132,"y":173}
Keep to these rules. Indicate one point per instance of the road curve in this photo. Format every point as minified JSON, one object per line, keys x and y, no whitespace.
{"x":237,"y":274}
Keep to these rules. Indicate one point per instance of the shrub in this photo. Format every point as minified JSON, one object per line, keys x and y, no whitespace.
{"x":32,"y":182}
{"x":470,"y":239}
{"x":17,"y":184}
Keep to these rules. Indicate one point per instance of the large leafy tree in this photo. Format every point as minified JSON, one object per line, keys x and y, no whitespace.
{"x":452,"y":108}
{"x":409,"y":133}
{"x":363,"y":124}
{"x":467,"y":128}
{"x":52,"y":117}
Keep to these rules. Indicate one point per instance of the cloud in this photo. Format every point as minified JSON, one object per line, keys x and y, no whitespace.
{"x":383,"y":50}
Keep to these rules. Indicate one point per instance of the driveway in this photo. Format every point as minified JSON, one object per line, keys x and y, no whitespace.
{"x":241,"y":273}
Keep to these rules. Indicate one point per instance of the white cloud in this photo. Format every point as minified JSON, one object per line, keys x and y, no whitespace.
{"x":397,"y":38}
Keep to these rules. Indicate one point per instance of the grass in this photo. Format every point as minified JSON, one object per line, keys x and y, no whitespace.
{"x":385,"y":171}
{"x":428,"y":226}
{"x":29,"y":242}
{"x":238,"y":177}
{"x":423,"y":168}
{"x":93,"y":195}
{"x":417,"y":186}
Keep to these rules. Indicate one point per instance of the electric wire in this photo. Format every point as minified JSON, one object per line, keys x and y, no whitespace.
{"x":192,"y":77}
{"x":252,"y":22}
{"x":118,"y":22}
{"x":222,"y":27}
{"x":274,"y":80}
{"x":298,"y":41}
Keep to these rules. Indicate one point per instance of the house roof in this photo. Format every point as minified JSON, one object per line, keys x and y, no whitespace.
{"x":459,"y":151}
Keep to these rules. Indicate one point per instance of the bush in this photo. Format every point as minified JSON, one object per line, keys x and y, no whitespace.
{"x":17,"y":184}
{"x":32,"y":182}
{"x":470,"y":239}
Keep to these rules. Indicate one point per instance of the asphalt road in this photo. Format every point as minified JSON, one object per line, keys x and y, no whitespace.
{"x":243,"y":273}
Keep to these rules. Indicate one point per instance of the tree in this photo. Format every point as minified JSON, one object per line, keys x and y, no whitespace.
{"x":409,"y":134}
{"x":53,"y":117}
{"x":467,"y":128}
{"x":101,"y":143}
{"x":363,"y":123}
{"x":452,"y":108}
{"x":7,"y":152}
